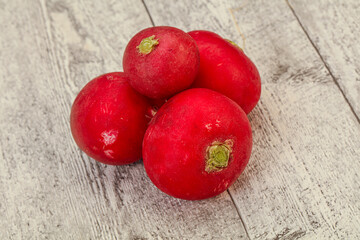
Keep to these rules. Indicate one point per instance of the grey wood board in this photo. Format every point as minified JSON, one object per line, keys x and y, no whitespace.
{"x":49,"y":188}
{"x":302,"y":180}
{"x":333,"y":27}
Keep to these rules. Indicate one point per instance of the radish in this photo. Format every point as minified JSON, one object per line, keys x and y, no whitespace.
{"x":226,"y":69}
{"x":197,"y":144}
{"x":161,"y":61}
{"x":108,"y":120}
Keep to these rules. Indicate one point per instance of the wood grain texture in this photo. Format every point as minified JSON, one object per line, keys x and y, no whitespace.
{"x":302,"y":181}
{"x":49,"y":188}
{"x":333,"y":27}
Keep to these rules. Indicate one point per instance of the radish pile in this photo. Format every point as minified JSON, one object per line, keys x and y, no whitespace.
{"x":180,"y":104}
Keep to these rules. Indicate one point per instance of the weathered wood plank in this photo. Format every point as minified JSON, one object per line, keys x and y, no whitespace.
{"x":49,"y":189}
{"x":302,"y":180}
{"x":333,"y":27}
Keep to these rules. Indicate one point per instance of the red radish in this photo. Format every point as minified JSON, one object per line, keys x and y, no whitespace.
{"x":226,"y":69}
{"x":161,"y":61}
{"x":108,"y":120}
{"x":197,"y":144}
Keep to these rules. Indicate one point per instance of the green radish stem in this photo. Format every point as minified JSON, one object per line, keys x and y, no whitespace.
{"x":217,"y":156}
{"x":147,"y":45}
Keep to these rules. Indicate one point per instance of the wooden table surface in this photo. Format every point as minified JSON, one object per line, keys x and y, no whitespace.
{"x":302,"y":181}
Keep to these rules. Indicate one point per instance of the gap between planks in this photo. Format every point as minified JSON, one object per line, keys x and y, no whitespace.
{"x":231,"y":197}
{"x":238,"y":212}
{"x":323,"y":61}
{"x":148,"y":13}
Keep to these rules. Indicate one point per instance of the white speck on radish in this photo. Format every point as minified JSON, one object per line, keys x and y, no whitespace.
{"x":109,"y":153}
{"x":109,"y":136}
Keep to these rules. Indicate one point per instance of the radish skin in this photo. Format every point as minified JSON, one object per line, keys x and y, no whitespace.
{"x":197,"y":144}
